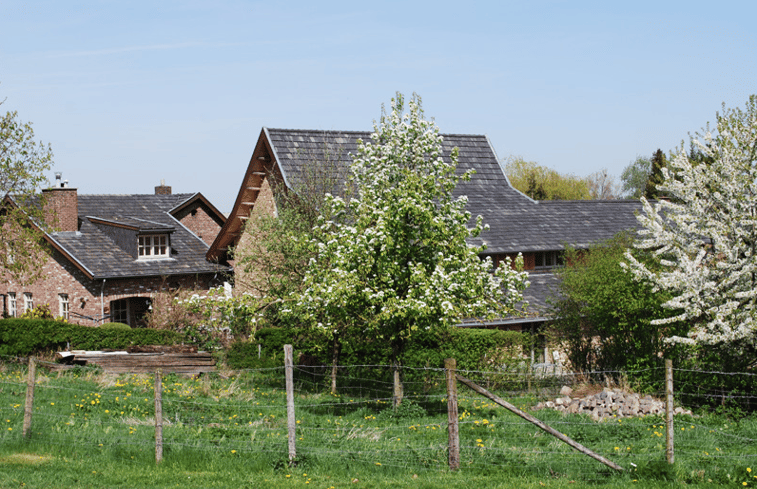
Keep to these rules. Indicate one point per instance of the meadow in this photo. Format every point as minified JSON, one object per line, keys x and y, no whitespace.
{"x":228,"y":429}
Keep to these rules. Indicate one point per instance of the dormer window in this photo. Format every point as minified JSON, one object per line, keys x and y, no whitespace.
{"x":153,"y":246}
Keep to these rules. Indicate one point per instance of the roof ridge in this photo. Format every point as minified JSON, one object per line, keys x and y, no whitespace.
{"x":340,"y":131}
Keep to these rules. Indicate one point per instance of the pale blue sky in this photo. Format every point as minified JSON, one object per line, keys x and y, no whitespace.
{"x":129,"y":93}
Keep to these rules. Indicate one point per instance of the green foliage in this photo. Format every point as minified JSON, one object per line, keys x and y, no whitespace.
{"x":23,"y":163}
{"x":406,"y":410}
{"x":42,"y":311}
{"x":24,"y":337}
{"x":634,"y":178}
{"x":120,"y":326}
{"x":542,"y":183}
{"x":474,"y":349}
{"x":605,"y":316}
{"x":658,"y":162}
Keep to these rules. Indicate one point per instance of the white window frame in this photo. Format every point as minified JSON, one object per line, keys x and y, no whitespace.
{"x":28,"y":301}
{"x":153,"y":246}
{"x":12,"y":305}
{"x":63,"y":306}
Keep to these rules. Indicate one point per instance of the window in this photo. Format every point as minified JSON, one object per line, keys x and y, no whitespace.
{"x":153,"y":246}
{"x":548,"y":259}
{"x":12,"y":307}
{"x":119,"y":311}
{"x":63,"y":306}
{"x":28,"y":302}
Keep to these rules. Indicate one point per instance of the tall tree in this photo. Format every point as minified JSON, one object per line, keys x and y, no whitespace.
{"x":542,"y":183}
{"x":657,"y":163}
{"x":706,"y":235}
{"x":602,"y":185}
{"x":22,"y":165}
{"x":634,"y":178}
{"x":402,"y":263}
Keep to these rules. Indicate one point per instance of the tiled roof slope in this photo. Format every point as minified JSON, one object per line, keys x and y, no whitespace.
{"x":517,"y":223}
{"x":103,"y":258}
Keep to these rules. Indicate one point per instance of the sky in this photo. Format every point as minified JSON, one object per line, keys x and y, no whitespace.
{"x":132,"y":93}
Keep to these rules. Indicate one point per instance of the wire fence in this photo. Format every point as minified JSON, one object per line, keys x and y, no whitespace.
{"x":244,"y":414}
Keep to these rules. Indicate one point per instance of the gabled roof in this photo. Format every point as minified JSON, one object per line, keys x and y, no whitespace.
{"x":516,"y":222}
{"x":98,"y":254}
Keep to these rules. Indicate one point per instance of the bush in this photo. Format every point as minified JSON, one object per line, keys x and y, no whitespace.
{"x":120,"y":326}
{"x":26,"y":337}
{"x":474,"y":349}
{"x":604,"y":317}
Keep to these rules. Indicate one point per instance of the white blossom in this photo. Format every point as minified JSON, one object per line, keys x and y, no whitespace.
{"x":706,"y":233}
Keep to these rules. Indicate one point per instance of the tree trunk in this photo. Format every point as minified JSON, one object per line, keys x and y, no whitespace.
{"x":337,"y":347}
{"x":397,"y":376}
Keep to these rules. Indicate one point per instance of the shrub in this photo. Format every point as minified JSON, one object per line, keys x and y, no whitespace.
{"x":42,"y":311}
{"x":121,"y":326}
{"x":474,"y":349}
{"x":25,"y":337}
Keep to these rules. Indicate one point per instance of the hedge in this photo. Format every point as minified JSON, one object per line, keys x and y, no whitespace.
{"x":474,"y":349}
{"x":25,"y":337}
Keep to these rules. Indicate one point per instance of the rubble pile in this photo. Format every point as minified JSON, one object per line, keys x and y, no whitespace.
{"x":608,"y":404}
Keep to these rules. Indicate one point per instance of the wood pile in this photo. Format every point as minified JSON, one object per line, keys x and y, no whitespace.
{"x":173,"y":359}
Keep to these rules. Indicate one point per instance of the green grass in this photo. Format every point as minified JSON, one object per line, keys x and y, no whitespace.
{"x":95,"y":430}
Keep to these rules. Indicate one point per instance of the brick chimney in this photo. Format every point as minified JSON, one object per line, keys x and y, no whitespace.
{"x":61,"y":206}
{"x":162,"y":189}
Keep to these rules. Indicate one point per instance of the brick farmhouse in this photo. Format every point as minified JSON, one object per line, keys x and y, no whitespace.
{"x":109,"y":254}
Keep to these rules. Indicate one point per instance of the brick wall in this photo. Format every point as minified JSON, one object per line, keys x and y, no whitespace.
{"x":60,"y":276}
{"x":250,"y":243}
{"x":200,"y":220}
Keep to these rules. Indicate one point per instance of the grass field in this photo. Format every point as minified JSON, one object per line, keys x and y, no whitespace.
{"x":93,"y":430}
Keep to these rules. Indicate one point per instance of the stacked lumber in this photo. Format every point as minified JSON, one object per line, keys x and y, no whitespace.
{"x":142,"y":362}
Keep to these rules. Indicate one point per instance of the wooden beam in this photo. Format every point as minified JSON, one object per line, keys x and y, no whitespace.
{"x":538,"y":423}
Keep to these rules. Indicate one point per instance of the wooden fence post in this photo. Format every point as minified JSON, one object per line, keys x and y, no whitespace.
{"x":669,"y":410}
{"x":453,"y":431}
{"x":291,"y":423}
{"x":397,"y":393}
{"x":29,"y":404}
{"x":158,"y":416}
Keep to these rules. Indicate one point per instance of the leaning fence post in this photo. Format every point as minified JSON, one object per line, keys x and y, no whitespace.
{"x":669,"y":410}
{"x":450,"y":369}
{"x":158,"y":416}
{"x":291,"y":423}
{"x":29,"y":404}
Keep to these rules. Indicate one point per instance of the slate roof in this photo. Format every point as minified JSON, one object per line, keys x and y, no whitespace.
{"x":99,"y":254}
{"x":517,"y":223}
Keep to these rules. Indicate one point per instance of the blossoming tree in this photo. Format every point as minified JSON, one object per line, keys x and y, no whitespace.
{"x":706,"y":234}
{"x":399,"y":263}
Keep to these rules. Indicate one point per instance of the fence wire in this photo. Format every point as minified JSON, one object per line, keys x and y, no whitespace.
{"x":244,"y":414}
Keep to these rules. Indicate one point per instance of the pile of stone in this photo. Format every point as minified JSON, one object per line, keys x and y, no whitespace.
{"x":608,"y":404}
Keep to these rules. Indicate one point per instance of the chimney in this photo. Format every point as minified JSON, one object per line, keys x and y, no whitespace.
{"x":61,"y":204}
{"x":162,"y":189}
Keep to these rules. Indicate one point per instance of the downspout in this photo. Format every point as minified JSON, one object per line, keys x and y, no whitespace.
{"x":102,"y":304}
